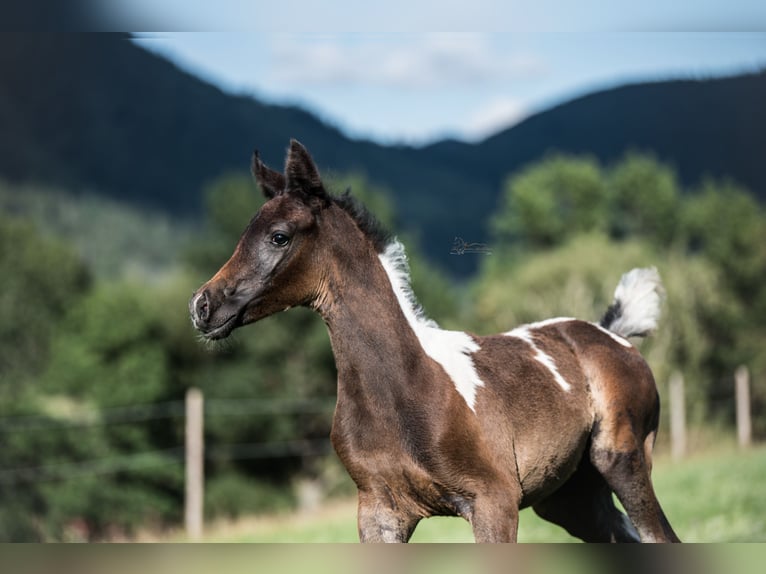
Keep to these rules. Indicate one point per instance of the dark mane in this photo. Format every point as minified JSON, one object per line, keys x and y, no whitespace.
{"x":366,"y":221}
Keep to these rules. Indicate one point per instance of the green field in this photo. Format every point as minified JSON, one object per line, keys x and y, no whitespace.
{"x":719,"y":496}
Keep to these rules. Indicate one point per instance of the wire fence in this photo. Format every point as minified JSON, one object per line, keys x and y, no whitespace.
{"x":173,"y":455}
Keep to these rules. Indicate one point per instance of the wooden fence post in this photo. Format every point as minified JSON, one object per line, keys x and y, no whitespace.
{"x":194,"y":464}
{"x":677,"y":416}
{"x":742,"y":388}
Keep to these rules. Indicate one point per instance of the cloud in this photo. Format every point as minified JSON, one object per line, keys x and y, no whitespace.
{"x":424,"y":62}
{"x":497,"y":114}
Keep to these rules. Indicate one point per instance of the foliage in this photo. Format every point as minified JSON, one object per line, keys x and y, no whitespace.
{"x":547,"y":202}
{"x":113,"y":238}
{"x":111,"y":366}
{"x":40,"y":277}
{"x":728,"y":225}
{"x":644,"y":197}
{"x":576,"y":280}
{"x":559,"y":197}
{"x":233,"y":495}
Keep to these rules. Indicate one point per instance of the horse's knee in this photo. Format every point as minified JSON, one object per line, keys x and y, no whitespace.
{"x":379,"y":521}
{"x":616,"y":465}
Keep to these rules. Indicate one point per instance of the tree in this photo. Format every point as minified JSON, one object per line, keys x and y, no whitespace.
{"x":725,"y":223}
{"x":112,"y":354}
{"x":551,"y":200}
{"x":72,"y":344}
{"x":574,"y":280}
{"x":109,"y":350}
{"x":41,"y":280}
{"x":645,"y":199}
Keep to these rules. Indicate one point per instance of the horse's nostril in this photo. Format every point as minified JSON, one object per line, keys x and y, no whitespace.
{"x":202,"y":307}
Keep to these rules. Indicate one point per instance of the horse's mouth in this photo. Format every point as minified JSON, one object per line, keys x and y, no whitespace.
{"x":223,"y":330}
{"x":240,"y":317}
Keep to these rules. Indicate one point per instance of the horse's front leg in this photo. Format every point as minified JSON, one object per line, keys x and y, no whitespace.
{"x":381,"y":519}
{"x":495,"y":518}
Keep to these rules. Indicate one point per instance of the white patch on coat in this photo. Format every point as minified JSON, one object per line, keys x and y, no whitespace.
{"x":548,"y":322}
{"x":615,"y":336}
{"x":556,"y":320}
{"x":451,"y":349}
{"x":525,"y":334}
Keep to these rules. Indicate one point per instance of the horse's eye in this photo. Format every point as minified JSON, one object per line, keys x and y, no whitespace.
{"x":280,"y":239}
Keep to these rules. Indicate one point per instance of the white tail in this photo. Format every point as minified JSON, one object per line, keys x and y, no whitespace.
{"x":636,"y":307}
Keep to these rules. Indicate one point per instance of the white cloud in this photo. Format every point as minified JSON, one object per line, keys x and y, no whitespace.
{"x":423,"y":62}
{"x":495,"y":115}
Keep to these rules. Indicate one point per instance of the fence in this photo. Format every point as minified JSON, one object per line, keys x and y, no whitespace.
{"x":678,"y":444}
{"x":192,"y":454}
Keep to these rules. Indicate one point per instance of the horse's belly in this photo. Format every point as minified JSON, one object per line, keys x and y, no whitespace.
{"x":542,"y":471}
{"x":549,"y":444}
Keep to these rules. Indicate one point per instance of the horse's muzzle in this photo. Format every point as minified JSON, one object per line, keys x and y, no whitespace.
{"x":199,"y":309}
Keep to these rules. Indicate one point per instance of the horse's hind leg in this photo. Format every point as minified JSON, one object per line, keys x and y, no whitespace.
{"x":625,"y":463}
{"x":583,"y":506}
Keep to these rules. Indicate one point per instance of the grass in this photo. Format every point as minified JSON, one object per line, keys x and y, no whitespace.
{"x":718,"y":496}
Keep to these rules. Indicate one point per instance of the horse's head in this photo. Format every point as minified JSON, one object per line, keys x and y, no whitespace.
{"x":274,"y":265}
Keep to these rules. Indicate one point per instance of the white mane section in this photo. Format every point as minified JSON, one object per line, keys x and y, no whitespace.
{"x":525,"y":334}
{"x":451,"y":349}
{"x":638,"y":297}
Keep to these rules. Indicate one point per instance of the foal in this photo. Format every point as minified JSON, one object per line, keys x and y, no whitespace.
{"x":556,"y":415}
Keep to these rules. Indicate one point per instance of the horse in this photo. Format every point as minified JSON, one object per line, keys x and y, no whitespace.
{"x":556,"y":415}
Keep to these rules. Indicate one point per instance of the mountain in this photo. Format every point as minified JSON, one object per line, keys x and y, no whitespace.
{"x":97,"y":112}
{"x":710,"y":127}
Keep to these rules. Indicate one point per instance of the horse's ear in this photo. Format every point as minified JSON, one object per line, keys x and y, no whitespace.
{"x":272,"y":182}
{"x":301,"y":173}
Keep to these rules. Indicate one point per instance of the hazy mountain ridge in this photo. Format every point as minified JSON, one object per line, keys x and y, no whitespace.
{"x":96,"y":112}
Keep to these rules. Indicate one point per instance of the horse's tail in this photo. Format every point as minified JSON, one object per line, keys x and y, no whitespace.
{"x":636,"y":306}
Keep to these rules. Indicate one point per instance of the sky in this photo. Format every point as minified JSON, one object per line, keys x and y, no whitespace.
{"x":378,"y":71}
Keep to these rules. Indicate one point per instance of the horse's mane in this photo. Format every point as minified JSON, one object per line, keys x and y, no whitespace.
{"x":366,"y":221}
{"x":392,"y":255}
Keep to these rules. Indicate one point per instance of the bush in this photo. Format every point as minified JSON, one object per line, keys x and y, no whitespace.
{"x":232,"y":495}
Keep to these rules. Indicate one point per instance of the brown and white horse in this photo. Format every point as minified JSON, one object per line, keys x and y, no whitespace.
{"x":556,"y":415}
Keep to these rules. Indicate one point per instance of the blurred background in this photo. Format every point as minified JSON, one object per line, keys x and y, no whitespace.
{"x":573,"y":146}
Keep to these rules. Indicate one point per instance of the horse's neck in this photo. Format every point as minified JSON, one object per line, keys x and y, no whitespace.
{"x":376,"y":351}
